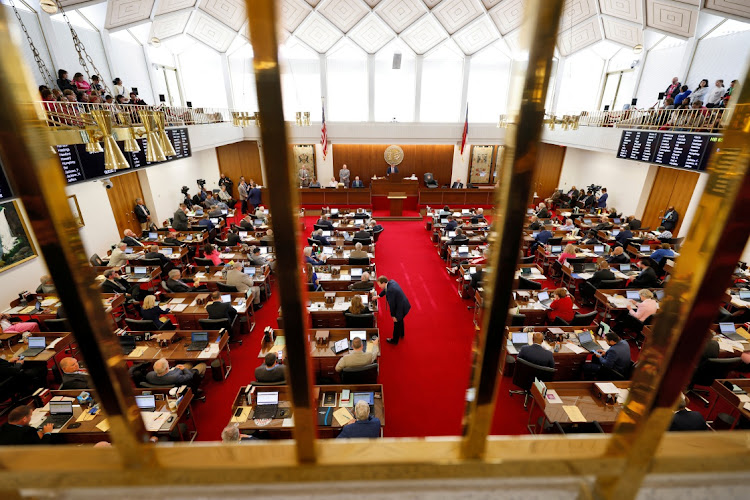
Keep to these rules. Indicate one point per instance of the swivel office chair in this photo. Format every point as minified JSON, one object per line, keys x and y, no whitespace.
{"x":429,"y":180}
{"x":524,"y":375}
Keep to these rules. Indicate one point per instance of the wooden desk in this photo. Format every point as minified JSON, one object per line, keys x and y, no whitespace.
{"x":177,"y":351}
{"x":177,"y":255}
{"x":323,"y":358}
{"x":214,"y":275}
{"x":89,"y":433}
{"x":332,"y":315}
{"x":383,"y":186}
{"x":580,"y":394}
{"x":473,"y":197}
{"x":341,"y":282}
{"x":48,"y":357}
{"x":276,"y":427}
{"x":341,"y":258}
{"x":727,"y":401}
{"x":569,"y":364}
{"x":455,"y":259}
{"x":330,"y":196}
{"x":112,"y":303}
{"x":605,"y":305}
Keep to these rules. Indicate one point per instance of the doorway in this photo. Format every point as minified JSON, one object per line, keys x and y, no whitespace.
{"x":125,"y":189}
{"x":672,"y":188}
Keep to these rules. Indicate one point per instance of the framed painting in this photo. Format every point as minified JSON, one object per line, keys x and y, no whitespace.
{"x":304,"y":156}
{"x":480,"y":166}
{"x":76,"y":210}
{"x":16,"y":246}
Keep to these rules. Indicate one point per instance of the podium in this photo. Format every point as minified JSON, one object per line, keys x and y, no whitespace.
{"x":396,"y":201}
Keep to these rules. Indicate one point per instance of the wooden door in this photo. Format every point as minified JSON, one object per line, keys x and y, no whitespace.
{"x":125,"y":189}
{"x":240,"y":159}
{"x":672,"y":187}
{"x":547,"y":174}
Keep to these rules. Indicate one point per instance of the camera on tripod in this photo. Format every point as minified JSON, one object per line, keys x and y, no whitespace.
{"x":185,"y":190}
{"x":594,"y":188}
{"x":201,"y":182}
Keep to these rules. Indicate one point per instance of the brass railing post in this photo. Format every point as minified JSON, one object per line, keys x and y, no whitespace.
{"x":37,"y":179}
{"x":262,"y":16}
{"x":714,"y":244}
{"x":541,"y":18}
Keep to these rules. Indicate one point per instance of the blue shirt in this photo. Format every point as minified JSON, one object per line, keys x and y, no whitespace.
{"x":681,"y":97}
{"x":543,"y":237}
{"x":659,"y":254}
{"x":617,"y":357}
{"x":602,"y":203}
{"x":369,"y":428}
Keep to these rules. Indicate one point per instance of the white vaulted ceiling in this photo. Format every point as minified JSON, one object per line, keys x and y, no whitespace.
{"x":421,"y":24}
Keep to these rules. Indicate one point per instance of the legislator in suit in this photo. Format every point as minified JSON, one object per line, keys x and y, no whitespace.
{"x":398,"y":305}
{"x":537,"y":355}
{"x":669,"y":221}
{"x":180,"y":220}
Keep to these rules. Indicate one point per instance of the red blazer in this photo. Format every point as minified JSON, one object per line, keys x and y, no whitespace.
{"x":562,"y":308}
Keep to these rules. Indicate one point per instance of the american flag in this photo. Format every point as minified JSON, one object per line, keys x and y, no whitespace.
{"x":466,"y":129}
{"x":324,"y":134}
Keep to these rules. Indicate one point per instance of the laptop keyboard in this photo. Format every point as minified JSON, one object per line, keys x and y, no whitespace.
{"x":265,"y":411}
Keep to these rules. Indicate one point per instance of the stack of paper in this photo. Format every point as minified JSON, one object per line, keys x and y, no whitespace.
{"x":153,"y":420}
{"x":242,"y":416}
{"x":103,"y":425}
{"x":574,"y":413}
{"x":211,"y":351}
{"x":52,"y":344}
{"x":179,"y":308}
{"x":607,"y":388}
{"x":177,"y":301}
{"x":342,"y":416}
{"x":138,"y":351}
{"x":575,"y":348}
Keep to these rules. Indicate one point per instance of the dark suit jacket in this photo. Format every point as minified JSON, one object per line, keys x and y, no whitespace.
{"x":11,"y":434}
{"x":177,"y":286}
{"x":141,"y":212}
{"x":221,"y":310}
{"x":322,"y":240}
{"x":619,"y":259}
{"x":601,"y":275}
{"x":617,"y":357}
{"x":623,"y":236}
{"x":357,"y":184}
{"x":233,"y":239}
{"x":253,"y":196}
{"x":369,"y":428}
{"x":275,"y":374}
{"x":132,"y":242}
{"x":154,"y":314}
{"x":536,"y":226}
{"x":163,"y":259}
{"x":325,"y":223}
{"x":457,"y":185}
{"x":362,"y":235}
{"x":452,"y":225}
{"x":110,"y":287}
{"x":543,"y":213}
{"x":362,"y":285}
{"x":397,"y":301}
{"x":75,"y":381}
{"x":173,"y":377}
{"x":634,"y":224}
{"x":670,"y":220}
{"x":685,"y":420}
{"x":647,"y":279}
{"x":246,"y":224}
{"x":603,"y":226}
{"x":459,"y":240}
{"x":180,"y":221}
{"x":538,"y":355}
{"x":543,"y":237}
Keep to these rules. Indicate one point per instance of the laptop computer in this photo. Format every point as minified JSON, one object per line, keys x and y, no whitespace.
{"x":626,"y":270}
{"x":587,"y":221}
{"x":745,"y":294}
{"x":463,"y":250}
{"x":198,"y":341}
{"x":616,"y":220}
{"x":587,"y":342}
{"x":166,"y":251}
{"x":340,"y":346}
{"x":153,"y":236}
{"x":659,"y":294}
{"x":525,"y":271}
{"x":367,"y":397}
{"x":444,"y":221}
{"x":127,"y":343}
{"x":599,"y":249}
{"x":263,"y":250}
{"x":633,"y":295}
{"x":589,"y":267}
{"x":519,"y":339}
{"x":226,"y":298}
{"x":214,"y":220}
{"x":224,"y":211}
{"x":730,"y":332}
{"x":450,"y":234}
{"x":140,"y":272}
{"x":146,"y":402}
{"x":359,"y":334}
{"x":356,"y":272}
{"x":347,"y":236}
{"x":36,"y":346}
{"x":615,"y":232}
{"x":543,"y":298}
{"x":257,"y":222}
{"x":266,"y":405}
{"x":243,"y":234}
{"x":645,"y":249}
{"x":250,"y":271}
{"x":129,"y":250}
{"x":555,"y":249}
{"x":328,"y":250}
{"x":59,"y":414}
{"x":334,"y":211}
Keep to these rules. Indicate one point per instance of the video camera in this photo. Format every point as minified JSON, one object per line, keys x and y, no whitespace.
{"x":185,"y":190}
{"x":201,"y":182}
{"x":594,"y":188}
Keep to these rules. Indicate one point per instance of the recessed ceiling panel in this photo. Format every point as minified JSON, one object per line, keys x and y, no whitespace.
{"x":371,"y":34}
{"x":230,"y":12}
{"x":576,"y":11}
{"x":671,"y":17}
{"x":627,"y":34}
{"x":400,"y":14}
{"x":292,"y":13}
{"x":318,"y":33}
{"x":424,"y":35}
{"x":476,"y":36}
{"x":167,"y":6}
{"x":629,"y":10}
{"x":169,"y":25}
{"x":736,"y":7}
{"x":507,"y":15}
{"x":343,"y":13}
{"x":210,"y":31}
{"x":122,"y":12}
{"x":581,"y":36}
{"x":455,"y":14}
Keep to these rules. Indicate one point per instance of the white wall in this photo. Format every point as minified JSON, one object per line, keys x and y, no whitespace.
{"x":166,"y":180}
{"x":100,"y":231}
{"x":130,"y":66}
{"x":625,"y":180}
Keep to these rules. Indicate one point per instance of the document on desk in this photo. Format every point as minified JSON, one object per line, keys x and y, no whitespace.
{"x":200,"y":275}
{"x":603,"y":344}
{"x":342,"y":416}
{"x":511,"y":348}
{"x":607,"y":388}
{"x":574,"y":413}
{"x":623,"y":396}
{"x":211,"y":351}
{"x":576,"y":349}
{"x":103,"y":425}
{"x":50,"y":301}
{"x":179,"y":308}
{"x":138,"y":351}
{"x":746,"y":406}
{"x":744,"y":398}
{"x":176,"y":301}
{"x":288,"y":422}
{"x":242,"y":416}
{"x":52,"y":344}
{"x":153,"y":420}
{"x":85,"y":416}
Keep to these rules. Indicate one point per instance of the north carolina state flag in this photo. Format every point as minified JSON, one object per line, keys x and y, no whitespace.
{"x":466,"y":129}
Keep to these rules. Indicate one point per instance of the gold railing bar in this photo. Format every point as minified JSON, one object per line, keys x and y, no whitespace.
{"x":697,"y":286}
{"x":283,"y":203}
{"x":36,"y":177}
{"x":541,"y":18}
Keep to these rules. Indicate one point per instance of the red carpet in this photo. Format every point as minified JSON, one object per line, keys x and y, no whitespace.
{"x":424,"y":378}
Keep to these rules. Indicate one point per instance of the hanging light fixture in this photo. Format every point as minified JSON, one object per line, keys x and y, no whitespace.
{"x":155,"y":42}
{"x":306,"y":121}
{"x":131,"y":144}
{"x":638,"y":49}
{"x":161,"y":119}
{"x":113,"y":157}
{"x":154,"y":152}
{"x":48,"y":6}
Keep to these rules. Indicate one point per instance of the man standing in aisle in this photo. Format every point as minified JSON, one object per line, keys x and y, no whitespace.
{"x":344,"y":174}
{"x":398,"y":305}
{"x":226,"y":181}
{"x":142,"y":213}
{"x":242,"y":190}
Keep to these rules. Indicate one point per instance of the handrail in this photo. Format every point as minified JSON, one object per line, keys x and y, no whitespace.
{"x":709,"y":120}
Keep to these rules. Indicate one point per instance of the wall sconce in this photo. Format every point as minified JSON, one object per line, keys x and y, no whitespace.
{"x":298,"y":118}
{"x":307,"y":119}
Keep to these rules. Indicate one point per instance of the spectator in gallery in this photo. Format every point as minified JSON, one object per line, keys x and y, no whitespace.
{"x":134,"y":99}
{"x":96,"y":83}
{"x":81,"y":84}
{"x":673,"y":89}
{"x":700,"y":91}
{"x":715,"y":95}
{"x":684,"y":92}
{"x":63,"y":83}
{"x":118,"y":87}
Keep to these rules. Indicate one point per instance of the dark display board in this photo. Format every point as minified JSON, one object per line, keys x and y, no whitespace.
{"x":78,"y":165}
{"x":4,"y":186}
{"x":671,"y":149}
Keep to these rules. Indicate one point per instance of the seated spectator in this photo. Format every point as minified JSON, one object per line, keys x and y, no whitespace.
{"x":356,"y":306}
{"x":314,"y":183}
{"x":686,"y":420}
{"x":182,"y":374}
{"x":542,"y":211}
{"x":478,"y":216}
{"x":118,"y":257}
{"x":96,"y":84}
{"x":537,"y":354}
{"x":459,"y":239}
{"x":154,"y":254}
{"x":113,"y":283}
{"x":118,"y":88}
{"x":225,"y":196}
{"x":616,"y":358}
{"x":604,"y":224}
{"x":210,"y":252}
{"x":364,"y":426}
{"x":72,"y":375}
{"x":662,"y":233}
{"x":131,"y":239}
{"x":237,"y":278}
{"x":63,"y":83}
{"x":233,"y":238}
{"x":150,"y":310}
{"x":258,"y":259}
{"x":311,"y":278}
{"x":535,"y":224}
{"x":108,"y":99}
{"x":684,"y":92}
{"x":317,"y":235}
{"x":358,"y":253}
{"x":568,"y":226}
{"x":268,"y":238}
{"x":357,"y":356}
{"x":451,"y":225}
{"x":561,"y":306}
{"x":333,"y":183}
{"x":591,"y":239}
{"x":81,"y":84}
{"x":46,"y":285}
{"x":17,"y":431}
{"x":587,"y":289}
{"x":19,"y":327}
{"x":270,"y":370}
{"x":325,"y":221}
{"x":356,"y":183}
{"x":134,"y":99}
{"x":633,"y":222}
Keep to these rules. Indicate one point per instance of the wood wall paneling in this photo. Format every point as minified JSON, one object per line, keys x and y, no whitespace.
{"x":672,"y":187}
{"x":125,"y":189}
{"x":240,"y":159}
{"x":366,"y":160}
{"x":547,"y":174}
